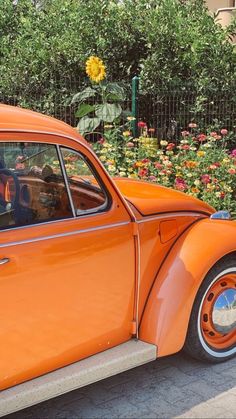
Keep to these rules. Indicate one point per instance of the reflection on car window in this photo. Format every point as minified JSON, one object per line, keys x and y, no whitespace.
{"x":32,"y":187}
{"x":86,"y":191}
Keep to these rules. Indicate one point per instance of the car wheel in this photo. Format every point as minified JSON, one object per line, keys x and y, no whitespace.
{"x":212,"y":328}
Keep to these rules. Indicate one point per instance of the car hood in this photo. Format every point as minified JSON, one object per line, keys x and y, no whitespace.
{"x":151,"y":198}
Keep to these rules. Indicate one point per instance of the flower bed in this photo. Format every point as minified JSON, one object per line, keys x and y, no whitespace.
{"x":200,"y":165}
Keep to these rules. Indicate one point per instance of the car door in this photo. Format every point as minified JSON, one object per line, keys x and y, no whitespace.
{"x":67,"y":262}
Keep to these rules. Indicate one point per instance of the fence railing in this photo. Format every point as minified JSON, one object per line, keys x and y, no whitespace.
{"x":168,"y":112}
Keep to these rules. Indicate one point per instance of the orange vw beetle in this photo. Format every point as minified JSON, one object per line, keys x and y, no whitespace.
{"x":98,"y":275}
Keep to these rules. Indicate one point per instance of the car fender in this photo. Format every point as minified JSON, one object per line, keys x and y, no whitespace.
{"x":167,"y":311}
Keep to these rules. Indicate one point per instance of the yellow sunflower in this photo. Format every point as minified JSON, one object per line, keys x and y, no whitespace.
{"x":95,"y":69}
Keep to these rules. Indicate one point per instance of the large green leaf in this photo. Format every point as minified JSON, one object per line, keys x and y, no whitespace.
{"x":84,"y":109}
{"x":115,"y":92}
{"x":87,"y":124}
{"x":108,"y":112}
{"x":85,"y":94}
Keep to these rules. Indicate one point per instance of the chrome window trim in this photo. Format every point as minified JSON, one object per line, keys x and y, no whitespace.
{"x":70,"y":233}
{"x":171,"y":215}
{"x":63,"y":169}
{"x":96,"y":210}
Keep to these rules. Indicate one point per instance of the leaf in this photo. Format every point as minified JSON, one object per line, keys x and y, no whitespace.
{"x":84,"y":109}
{"x":85,"y":94}
{"x":115,"y":91}
{"x":87,"y":124}
{"x":108,"y":112}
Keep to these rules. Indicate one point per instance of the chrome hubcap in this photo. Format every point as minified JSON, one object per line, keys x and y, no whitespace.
{"x":224,"y":312}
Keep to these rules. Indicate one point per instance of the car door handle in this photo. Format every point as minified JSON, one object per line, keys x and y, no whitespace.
{"x":4,"y":260}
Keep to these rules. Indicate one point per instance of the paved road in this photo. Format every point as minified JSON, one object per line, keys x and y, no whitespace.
{"x":174,"y":386}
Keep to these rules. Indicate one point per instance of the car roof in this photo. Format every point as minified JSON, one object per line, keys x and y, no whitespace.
{"x":13,"y":118}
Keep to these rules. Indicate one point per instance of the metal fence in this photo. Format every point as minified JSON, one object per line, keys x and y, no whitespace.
{"x":168,"y":112}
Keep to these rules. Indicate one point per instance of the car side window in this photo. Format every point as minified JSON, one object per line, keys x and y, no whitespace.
{"x":32,"y":186}
{"x":86,"y":188}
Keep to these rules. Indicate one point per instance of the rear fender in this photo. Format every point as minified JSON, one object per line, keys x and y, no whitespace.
{"x":168,"y":307}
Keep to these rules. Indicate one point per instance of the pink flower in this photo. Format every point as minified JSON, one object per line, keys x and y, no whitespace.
{"x":201,"y":137}
{"x":205,"y":179}
{"x":158,"y":166}
{"x":192,"y":125}
{"x":232,"y":171}
{"x":151,"y":130}
{"x":214,"y":165}
{"x":233,"y":153}
{"x":224,"y":131}
{"x":101,"y":141}
{"x":185,"y":133}
{"x":180,"y":184}
{"x":142,"y":124}
{"x":130,"y":144}
{"x":213,"y":134}
{"x":152,"y":178}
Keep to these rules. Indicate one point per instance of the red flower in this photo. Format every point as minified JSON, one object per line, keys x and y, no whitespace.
{"x":224,"y":131}
{"x":142,"y":124}
{"x":185,"y":147}
{"x":145,"y":161}
{"x":205,"y":179}
{"x":201,"y":137}
{"x":222,"y":195}
{"x":170,"y":146}
{"x":143,"y":172}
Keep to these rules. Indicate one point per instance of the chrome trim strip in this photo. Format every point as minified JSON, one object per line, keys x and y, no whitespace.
{"x":138,"y":279}
{"x":71,"y":233}
{"x":170,"y":215}
{"x":63,"y":169}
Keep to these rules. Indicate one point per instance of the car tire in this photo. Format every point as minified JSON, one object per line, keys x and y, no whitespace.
{"x":211,"y":333}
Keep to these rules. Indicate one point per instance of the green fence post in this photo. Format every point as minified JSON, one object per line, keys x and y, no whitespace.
{"x":135,"y":88}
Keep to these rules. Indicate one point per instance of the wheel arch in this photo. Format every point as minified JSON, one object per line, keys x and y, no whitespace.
{"x":168,"y":308}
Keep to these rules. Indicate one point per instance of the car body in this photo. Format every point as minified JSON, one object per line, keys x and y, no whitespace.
{"x":89,"y":263}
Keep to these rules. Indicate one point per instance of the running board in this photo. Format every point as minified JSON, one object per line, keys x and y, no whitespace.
{"x":97,"y":367}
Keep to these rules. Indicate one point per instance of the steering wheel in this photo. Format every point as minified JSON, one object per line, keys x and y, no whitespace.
{"x":15,"y":202}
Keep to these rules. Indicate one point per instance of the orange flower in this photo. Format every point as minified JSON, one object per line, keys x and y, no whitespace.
{"x":190,"y":164}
